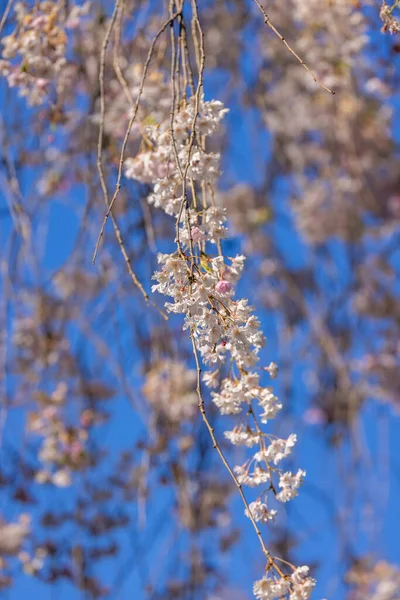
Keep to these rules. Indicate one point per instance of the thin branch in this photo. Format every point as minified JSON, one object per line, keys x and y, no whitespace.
{"x":211,"y":431}
{"x":131,"y":122}
{"x":5,"y":14}
{"x":280,"y":36}
{"x":183,"y":174}
{"x":117,"y":68}
{"x":201,"y":65}
{"x":100,"y":166}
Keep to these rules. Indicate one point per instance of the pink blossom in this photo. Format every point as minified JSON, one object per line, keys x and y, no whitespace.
{"x":223,"y":287}
{"x":197,"y":236}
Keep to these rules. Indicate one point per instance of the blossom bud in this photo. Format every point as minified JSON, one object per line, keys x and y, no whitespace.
{"x":223,"y":287}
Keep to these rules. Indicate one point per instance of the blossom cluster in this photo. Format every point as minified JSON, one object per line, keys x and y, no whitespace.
{"x":299,"y":585}
{"x":34,"y":53}
{"x":154,"y":101}
{"x":169,"y":388}
{"x":13,"y":543}
{"x":63,"y":447}
{"x":201,"y":283}
{"x":157,"y":165}
{"x":12,"y":535}
{"x":390,"y":23}
{"x":374,"y":582}
{"x":325,"y":181}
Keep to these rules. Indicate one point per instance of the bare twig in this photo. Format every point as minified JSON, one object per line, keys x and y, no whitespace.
{"x":280,"y":36}
{"x":100,"y":166}
{"x":183,"y":174}
{"x":117,"y":39}
{"x":211,"y":431}
{"x":5,"y":14}
{"x":197,"y":31}
{"x":131,"y":122}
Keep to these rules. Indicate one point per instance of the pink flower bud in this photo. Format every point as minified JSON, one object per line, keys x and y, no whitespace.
{"x":223,"y":287}
{"x":197,"y":236}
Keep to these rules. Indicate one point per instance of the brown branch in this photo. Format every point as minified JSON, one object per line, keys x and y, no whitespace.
{"x":100,"y":166}
{"x":131,"y":122}
{"x":148,"y":225}
{"x":281,"y":37}
{"x":216,"y":446}
{"x":183,"y":174}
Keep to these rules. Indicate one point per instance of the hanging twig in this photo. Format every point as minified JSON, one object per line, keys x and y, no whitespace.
{"x":100,"y":166}
{"x":5,"y":14}
{"x":270,"y":559}
{"x":128,"y":131}
{"x":280,"y":36}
